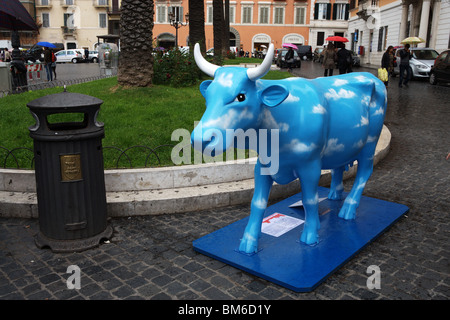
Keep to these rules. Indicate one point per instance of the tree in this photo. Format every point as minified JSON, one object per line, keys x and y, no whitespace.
{"x":197,"y":24}
{"x":218,"y":26}
{"x":136,"y":33}
{"x":226,"y":27}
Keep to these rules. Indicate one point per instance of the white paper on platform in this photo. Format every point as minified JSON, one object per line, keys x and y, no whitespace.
{"x":278,"y":224}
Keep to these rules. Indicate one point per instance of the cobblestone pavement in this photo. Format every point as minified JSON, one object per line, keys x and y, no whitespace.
{"x":151,"y":257}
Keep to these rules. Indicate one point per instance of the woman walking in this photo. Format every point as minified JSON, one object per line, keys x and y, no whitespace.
{"x":329,"y":60}
{"x":387,"y":62}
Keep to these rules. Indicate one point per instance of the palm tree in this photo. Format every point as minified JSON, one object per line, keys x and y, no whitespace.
{"x":197,"y":24}
{"x":136,"y":33}
{"x":218,"y":26}
{"x":226,"y":27}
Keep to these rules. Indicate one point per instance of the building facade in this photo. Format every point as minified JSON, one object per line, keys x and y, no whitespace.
{"x":257,"y":23}
{"x":376,"y":24}
{"x":253,"y":23}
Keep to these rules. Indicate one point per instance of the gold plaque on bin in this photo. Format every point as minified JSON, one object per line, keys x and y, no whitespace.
{"x":70,"y":167}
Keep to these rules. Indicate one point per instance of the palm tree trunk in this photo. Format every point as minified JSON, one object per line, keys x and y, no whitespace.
{"x":226,"y":27}
{"x":136,"y":33}
{"x":218,"y":24}
{"x":197,"y":24}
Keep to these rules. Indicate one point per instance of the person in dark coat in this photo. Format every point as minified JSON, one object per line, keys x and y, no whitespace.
{"x":86,"y":54}
{"x":48,"y":63}
{"x":387,"y":62}
{"x":344,"y":60}
{"x":289,"y":57}
{"x":405,"y":56}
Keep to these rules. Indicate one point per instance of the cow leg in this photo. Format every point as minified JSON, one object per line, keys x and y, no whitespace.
{"x":263,"y":184}
{"x":365,"y":168}
{"x":309,"y":179}
{"x":337,"y":187}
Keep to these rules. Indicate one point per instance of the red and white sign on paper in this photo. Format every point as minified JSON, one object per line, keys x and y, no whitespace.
{"x":278,"y":224}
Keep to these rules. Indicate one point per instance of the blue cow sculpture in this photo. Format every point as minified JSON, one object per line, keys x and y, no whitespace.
{"x":323,"y":123}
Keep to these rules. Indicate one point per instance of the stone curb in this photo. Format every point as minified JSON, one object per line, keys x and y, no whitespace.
{"x":166,"y":190}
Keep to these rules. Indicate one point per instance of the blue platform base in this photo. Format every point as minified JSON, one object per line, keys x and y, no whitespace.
{"x":283,"y":259}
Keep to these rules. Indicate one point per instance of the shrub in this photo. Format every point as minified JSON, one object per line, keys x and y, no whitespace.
{"x":175,"y":68}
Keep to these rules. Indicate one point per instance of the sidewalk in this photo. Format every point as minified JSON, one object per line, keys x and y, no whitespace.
{"x":151,"y":257}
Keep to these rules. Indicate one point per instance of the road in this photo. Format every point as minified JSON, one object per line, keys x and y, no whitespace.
{"x":151,"y":257}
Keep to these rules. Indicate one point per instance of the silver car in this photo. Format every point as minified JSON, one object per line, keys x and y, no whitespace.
{"x":421,"y":62}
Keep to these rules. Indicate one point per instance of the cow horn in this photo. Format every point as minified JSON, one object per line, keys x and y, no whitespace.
{"x":203,"y":65}
{"x":259,"y":72}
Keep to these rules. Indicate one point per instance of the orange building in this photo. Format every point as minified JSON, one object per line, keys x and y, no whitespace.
{"x":257,"y":23}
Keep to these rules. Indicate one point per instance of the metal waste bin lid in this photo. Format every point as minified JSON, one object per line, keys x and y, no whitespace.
{"x":65,"y":102}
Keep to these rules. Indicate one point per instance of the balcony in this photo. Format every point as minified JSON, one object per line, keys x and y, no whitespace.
{"x":67,"y":3}
{"x":101,"y":4}
{"x":44,"y":4}
{"x":68,"y":32}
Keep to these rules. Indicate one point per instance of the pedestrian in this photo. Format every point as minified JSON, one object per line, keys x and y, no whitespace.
{"x":7,"y":55}
{"x":405,"y":56}
{"x":387,"y":62}
{"x":48,"y":63}
{"x":54,"y":64}
{"x":344,"y":60}
{"x":86,"y":54}
{"x":329,"y":60}
{"x":289,"y":58}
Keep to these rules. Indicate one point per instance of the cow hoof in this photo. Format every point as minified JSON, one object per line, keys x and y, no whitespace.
{"x":335,"y":195}
{"x":348,"y":211}
{"x":309,"y":237}
{"x":248,"y":244}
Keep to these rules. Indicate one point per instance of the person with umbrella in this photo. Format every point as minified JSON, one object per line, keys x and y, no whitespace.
{"x":289,"y":57}
{"x":48,"y":63}
{"x":329,"y":60}
{"x":405,"y":56}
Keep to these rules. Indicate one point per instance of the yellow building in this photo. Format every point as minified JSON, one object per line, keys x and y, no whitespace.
{"x":253,"y":23}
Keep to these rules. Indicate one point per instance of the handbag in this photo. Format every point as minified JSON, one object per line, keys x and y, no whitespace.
{"x":383,"y":74}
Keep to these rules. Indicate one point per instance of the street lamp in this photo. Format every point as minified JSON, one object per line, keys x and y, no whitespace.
{"x":177,"y":24}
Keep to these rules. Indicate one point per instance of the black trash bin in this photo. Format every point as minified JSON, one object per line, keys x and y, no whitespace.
{"x":70,"y":182}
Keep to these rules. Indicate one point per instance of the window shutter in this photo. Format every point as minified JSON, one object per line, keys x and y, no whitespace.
{"x":334,"y":11}
{"x":316,"y":11}
{"x":328,"y":11}
{"x":347,"y":7}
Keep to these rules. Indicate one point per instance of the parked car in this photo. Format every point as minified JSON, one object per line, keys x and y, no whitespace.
{"x":317,"y":55}
{"x":440,"y":72}
{"x":281,"y":62}
{"x":36,"y":52}
{"x":305,"y":52}
{"x":421,"y":62}
{"x":93,"y":56}
{"x":71,"y":55}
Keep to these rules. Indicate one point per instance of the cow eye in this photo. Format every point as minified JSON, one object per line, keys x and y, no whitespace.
{"x":240,"y":97}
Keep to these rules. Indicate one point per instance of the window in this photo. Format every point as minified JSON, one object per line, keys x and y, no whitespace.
{"x":68,"y":21}
{"x":300,"y":14}
{"x":102,"y":2}
{"x":246,"y":14}
{"x":320,"y":38}
{"x":45,"y":20}
{"x":178,"y":12}
{"x":161,"y":14}
{"x":102,"y":20}
{"x":232,"y":9}
{"x":264,"y":15}
{"x":278,"y":16}
{"x":209,"y":12}
{"x":322,"y":11}
{"x":44,"y":2}
{"x":340,"y":11}
{"x":68,"y":2}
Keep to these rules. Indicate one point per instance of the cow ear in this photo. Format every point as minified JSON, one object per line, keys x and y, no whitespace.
{"x":203,"y":86}
{"x":274,"y":95}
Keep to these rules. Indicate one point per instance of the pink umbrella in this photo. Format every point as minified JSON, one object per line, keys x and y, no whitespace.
{"x":290,"y":45}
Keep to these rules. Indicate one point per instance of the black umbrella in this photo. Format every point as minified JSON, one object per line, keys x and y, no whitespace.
{"x":14,"y":16}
